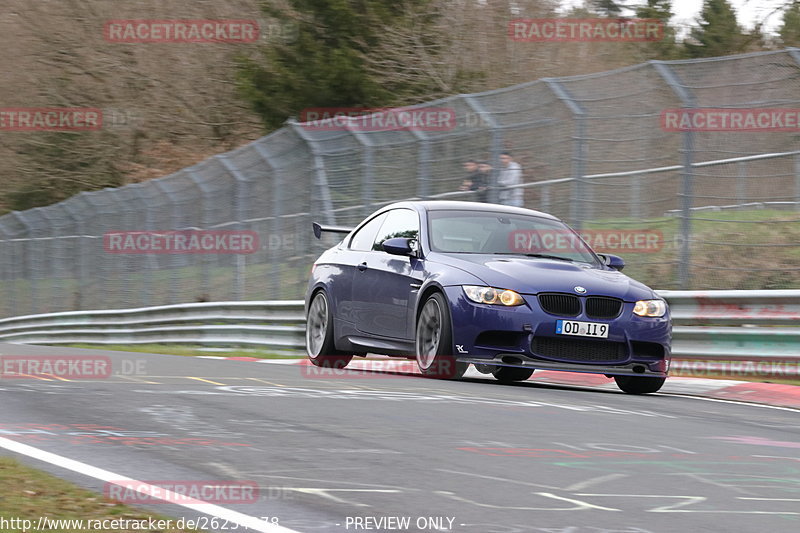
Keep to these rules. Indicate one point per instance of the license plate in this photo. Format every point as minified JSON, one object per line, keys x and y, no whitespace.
{"x":581,"y":329}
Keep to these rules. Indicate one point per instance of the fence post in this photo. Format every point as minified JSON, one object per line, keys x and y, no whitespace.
{"x":687,"y":194}
{"x":580,"y":210}
{"x":367,"y":173}
{"x":52,"y":255}
{"x":172,"y":295}
{"x":276,"y":222}
{"x":636,"y":197}
{"x":7,"y":271}
{"x":149,"y":259}
{"x":423,"y":160}
{"x":204,"y":224}
{"x":795,"y":53}
{"x":797,"y":181}
{"x":496,"y":144}
{"x":241,"y":199}
{"x":545,"y":198}
{"x":83,"y":246}
{"x":319,"y":172}
{"x":741,"y":182}
{"x":28,"y":262}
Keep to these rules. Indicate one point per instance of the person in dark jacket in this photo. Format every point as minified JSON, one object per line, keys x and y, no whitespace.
{"x":475,"y":181}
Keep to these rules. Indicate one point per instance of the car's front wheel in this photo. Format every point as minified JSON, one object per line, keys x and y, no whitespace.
{"x":434,"y":341}
{"x":509,"y":374}
{"x":639,"y":385}
{"x":319,"y":335}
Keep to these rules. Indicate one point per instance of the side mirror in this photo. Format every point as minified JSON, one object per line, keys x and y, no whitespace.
{"x":612,"y":261}
{"x":400,"y":246}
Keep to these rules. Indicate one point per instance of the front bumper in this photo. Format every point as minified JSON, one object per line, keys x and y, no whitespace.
{"x":504,"y":336}
{"x":522,"y":361}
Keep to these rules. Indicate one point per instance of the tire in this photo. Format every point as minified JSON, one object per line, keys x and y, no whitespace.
{"x":639,"y":385}
{"x":319,"y":335}
{"x":434,"y":341}
{"x":510,"y":374}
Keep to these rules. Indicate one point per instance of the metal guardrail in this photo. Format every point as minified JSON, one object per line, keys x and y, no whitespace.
{"x":731,"y":327}
{"x":273,"y":324}
{"x":708,"y":326}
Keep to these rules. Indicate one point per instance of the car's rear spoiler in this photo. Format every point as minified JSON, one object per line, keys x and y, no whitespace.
{"x":319,"y":228}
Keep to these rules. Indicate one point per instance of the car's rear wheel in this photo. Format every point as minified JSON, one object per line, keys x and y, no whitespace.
{"x":319,"y":335}
{"x":434,"y":341}
{"x":509,"y":374}
{"x":639,"y":385}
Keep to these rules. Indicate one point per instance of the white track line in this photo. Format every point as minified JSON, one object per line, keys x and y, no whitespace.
{"x":724,"y":400}
{"x":249,"y":522}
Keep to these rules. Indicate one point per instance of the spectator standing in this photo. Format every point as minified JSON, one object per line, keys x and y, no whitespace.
{"x":485,"y":180}
{"x":510,"y":174}
{"x":475,"y":181}
{"x":471,"y":170}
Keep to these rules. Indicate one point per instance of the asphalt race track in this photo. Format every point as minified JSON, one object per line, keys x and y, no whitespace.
{"x":467,"y":456}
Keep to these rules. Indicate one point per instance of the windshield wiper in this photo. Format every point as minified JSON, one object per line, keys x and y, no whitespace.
{"x":540,"y":256}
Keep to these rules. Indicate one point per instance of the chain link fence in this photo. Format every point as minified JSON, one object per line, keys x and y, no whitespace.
{"x":594,"y":151}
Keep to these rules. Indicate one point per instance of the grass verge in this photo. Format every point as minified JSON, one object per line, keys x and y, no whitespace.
{"x":28,"y":494}
{"x":181,"y":349}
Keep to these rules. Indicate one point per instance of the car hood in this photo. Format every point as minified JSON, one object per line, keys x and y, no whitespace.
{"x":530,"y":275}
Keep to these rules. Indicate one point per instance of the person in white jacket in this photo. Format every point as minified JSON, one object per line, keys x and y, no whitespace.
{"x":510,"y":174}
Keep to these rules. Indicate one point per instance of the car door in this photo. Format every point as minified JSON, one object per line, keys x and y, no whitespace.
{"x":347,"y":259}
{"x":383,"y":284}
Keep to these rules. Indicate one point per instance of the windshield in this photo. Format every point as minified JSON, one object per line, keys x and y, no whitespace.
{"x":487,"y":232}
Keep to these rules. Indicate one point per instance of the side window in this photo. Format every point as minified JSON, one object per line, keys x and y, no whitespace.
{"x":398,"y":223}
{"x":365,"y":237}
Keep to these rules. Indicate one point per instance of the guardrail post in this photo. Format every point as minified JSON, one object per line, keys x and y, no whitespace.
{"x":687,"y":193}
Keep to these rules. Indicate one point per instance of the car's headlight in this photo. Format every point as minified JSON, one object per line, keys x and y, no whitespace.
{"x":652,"y":308}
{"x":490,"y":295}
